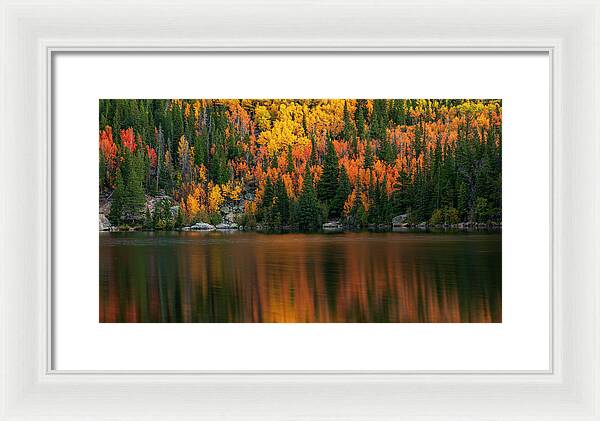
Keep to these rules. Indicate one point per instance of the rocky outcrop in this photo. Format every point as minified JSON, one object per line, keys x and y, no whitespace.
{"x":104,"y":223}
{"x":400,"y":220}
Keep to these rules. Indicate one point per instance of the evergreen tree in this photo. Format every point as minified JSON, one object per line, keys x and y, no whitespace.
{"x":360,"y":120}
{"x":328,"y":183}
{"x":386,"y":152}
{"x":401,"y":197}
{"x":269,"y":194}
{"x":179,"y":220}
{"x":147,"y":219}
{"x":308,"y":212}
{"x":134,"y":198}
{"x":379,"y":120}
{"x":116,"y":207}
{"x":313,"y":151}
{"x":282,"y":202}
{"x":368,"y":155}
{"x":348,"y":132}
{"x":343,"y":191}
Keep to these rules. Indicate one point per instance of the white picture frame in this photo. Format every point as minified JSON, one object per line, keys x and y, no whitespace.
{"x":32,"y":32}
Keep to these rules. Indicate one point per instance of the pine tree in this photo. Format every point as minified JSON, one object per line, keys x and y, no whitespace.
{"x":368,"y":155}
{"x":379,"y":120}
{"x":313,"y":151}
{"x":328,"y":183}
{"x":134,"y":198}
{"x":282,"y":202}
{"x":179,"y":220}
{"x":360,"y":120}
{"x":343,"y":191}
{"x":401,"y":196}
{"x":386,"y":153}
{"x":308,"y":212}
{"x":269,"y":193}
{"x":348,"y":132}
{"x":147,"y":219}
{"x":116,"y":207}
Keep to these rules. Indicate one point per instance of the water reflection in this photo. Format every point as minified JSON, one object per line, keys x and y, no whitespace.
{"x":251,"y":277}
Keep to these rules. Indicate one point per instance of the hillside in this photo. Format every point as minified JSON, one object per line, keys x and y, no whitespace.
{"x":296,"y":164}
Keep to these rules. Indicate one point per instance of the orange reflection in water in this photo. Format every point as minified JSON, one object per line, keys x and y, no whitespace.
{"x":291,"y":278}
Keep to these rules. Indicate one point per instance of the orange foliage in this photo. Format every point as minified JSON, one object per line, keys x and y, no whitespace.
{"x":128,"y":139}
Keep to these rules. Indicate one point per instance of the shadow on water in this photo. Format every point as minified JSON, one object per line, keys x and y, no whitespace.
{"x":343,"y":277}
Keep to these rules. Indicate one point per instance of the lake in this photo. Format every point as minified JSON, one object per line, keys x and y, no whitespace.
{"x":344,"y":277}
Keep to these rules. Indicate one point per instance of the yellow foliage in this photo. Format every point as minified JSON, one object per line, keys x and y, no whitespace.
{"x":232,"y":190}
{"x":197,"y":106}
{"x":192,"y":206}
{"x":183,"y":148}
{"x":262,"y":117}
{"x":215,"y":198}
{"x":250,"y":207}
{"x":283,"y":134}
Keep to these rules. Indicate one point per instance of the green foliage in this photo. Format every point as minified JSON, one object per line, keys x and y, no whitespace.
{"x":116,"y":208}
{"x":368,"y":155}
{"x":437,"y":217}
{"x":308,"y":212}
{"x":482,"y":209}
{"x":451,"y":217}
{"x":343,"y":191}
{"x":327,"y":187}
{"x":179,"y":220}
{"x":162,"y":219}
{"x":133,"y":197}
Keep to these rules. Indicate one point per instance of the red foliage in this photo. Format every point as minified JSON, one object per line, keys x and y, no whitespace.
{"x":108,"y":147}
{"x":152,"y":156}
{"x":128,"y":139}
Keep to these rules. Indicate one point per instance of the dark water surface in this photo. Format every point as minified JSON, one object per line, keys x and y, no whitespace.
{"x":253,"y":277}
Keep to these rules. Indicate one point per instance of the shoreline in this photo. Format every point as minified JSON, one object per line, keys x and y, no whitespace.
{"x":342,"y":230}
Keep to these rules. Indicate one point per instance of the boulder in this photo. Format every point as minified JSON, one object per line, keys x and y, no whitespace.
{"x":400,"y":220}
{"x":223,"y":226}
{"x":104,"y":223}
{"x":332,"y":226}
{"x":202,"y":226}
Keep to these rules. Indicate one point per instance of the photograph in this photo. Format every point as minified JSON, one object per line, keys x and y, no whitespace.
{"x":300,"y":210}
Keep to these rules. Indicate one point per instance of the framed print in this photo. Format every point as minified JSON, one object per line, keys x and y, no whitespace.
{"x":333,"y":211}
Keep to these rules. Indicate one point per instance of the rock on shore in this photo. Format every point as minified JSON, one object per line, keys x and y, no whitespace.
{"x":202,"y":226}
{"x":226,"y":226}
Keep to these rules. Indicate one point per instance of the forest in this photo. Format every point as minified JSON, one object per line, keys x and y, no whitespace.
{"x":296,"y":164}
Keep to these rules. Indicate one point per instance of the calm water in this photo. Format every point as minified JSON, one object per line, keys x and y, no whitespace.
{"x":253,"y":277}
